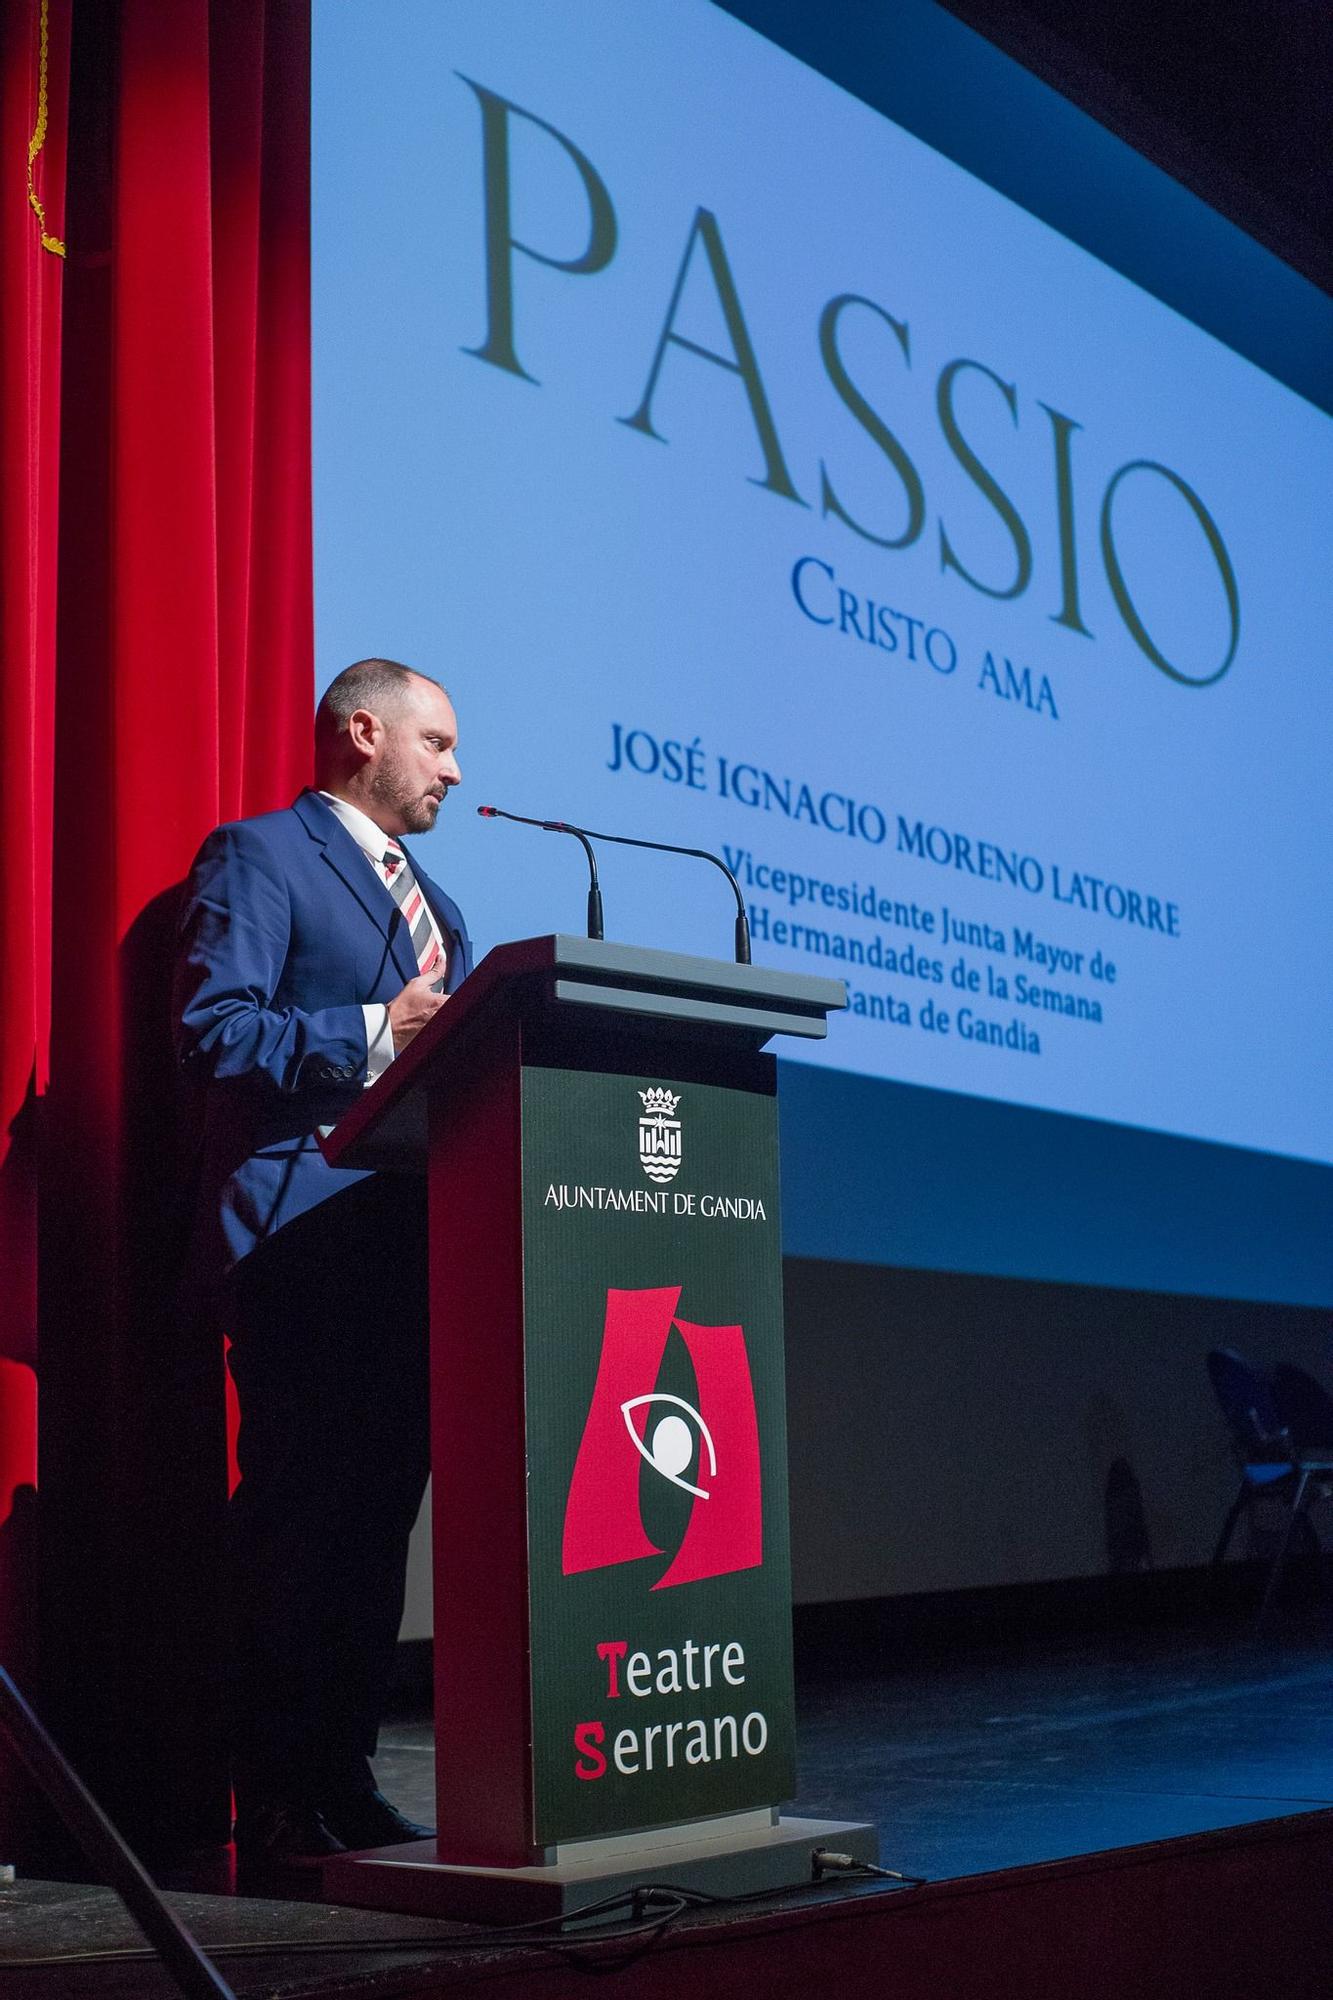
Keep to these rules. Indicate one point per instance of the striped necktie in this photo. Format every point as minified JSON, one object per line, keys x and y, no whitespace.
{"x":406,"y":892}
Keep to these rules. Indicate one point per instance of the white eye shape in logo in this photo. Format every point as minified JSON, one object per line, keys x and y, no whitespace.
{"x":672,"y":1446}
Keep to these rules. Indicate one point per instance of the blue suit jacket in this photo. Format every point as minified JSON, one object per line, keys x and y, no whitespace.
{"x":286,"y":932}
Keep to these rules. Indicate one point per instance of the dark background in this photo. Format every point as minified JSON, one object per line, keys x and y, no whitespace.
{"x":1233,"y":98}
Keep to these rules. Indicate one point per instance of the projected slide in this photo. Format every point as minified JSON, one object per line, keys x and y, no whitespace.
{"x":759,"y":480}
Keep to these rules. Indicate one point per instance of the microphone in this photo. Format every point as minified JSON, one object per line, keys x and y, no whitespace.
{"x":586,"y":834}
{"x":558,"y":826}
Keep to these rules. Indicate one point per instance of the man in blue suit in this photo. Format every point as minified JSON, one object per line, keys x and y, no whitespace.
{"x":311,"y":953}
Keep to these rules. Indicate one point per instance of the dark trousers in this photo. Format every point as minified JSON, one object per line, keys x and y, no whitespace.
{"x":329,"y":1354}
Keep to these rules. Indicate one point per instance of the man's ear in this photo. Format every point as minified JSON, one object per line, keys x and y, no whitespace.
{"x":365,"y":731}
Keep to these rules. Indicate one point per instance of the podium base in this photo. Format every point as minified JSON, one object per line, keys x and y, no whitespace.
{"x":714,"y":1856}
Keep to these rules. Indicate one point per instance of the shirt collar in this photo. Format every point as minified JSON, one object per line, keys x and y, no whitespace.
{"x":371,"y":839}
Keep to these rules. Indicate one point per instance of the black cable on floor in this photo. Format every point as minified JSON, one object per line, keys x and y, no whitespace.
{"x":642,"y":1931}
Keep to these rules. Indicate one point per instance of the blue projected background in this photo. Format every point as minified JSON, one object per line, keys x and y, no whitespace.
{"x":760,"y":478}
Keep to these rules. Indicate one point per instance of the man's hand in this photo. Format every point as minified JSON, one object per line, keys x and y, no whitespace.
{"x":409,"y":1013}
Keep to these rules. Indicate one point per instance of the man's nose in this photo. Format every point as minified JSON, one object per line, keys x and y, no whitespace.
{"x":449,"y":770}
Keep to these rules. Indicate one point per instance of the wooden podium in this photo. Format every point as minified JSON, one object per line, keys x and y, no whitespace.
{"x":613,"y":1676}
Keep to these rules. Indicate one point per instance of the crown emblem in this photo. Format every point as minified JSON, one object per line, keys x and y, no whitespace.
{"x":659,"y":1134}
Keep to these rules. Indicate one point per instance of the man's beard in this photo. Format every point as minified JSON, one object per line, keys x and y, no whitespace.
{"x":391,"y":787}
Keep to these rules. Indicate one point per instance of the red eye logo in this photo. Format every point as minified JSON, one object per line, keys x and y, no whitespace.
{"x":630,"y":1423}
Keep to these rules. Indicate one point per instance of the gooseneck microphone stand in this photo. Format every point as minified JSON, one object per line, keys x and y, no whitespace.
{"x":586,"y":835}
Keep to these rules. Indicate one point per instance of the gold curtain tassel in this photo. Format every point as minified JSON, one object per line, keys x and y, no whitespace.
{"x":38,"y":139}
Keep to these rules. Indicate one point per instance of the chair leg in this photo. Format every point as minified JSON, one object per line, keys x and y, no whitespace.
{"x":1229,"y":1525}
{"x":1294,"y":1514}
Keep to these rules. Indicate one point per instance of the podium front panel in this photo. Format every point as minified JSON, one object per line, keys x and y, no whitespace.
{"x":658,"y":1560}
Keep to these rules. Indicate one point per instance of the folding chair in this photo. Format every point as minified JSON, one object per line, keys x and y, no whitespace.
{"x":1273,"y":1465}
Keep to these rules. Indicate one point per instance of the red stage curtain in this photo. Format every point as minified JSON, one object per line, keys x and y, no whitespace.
{"x":181,"y":696}
{"x":34,"y":76}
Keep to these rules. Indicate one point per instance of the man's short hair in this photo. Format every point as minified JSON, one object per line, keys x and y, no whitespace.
{"x":378,"y":685}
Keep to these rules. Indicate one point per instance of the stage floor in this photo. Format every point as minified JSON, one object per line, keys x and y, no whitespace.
{"x":1120,"y":1761}
{"x":1073,"y":1749}
{"x":1001,"y":1760}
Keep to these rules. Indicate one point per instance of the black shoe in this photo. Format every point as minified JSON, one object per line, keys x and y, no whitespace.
{"x":366,"y":1819}
{"x":278,"y":1839}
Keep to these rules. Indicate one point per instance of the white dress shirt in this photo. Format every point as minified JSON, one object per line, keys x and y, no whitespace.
{"x":372,"y":840}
